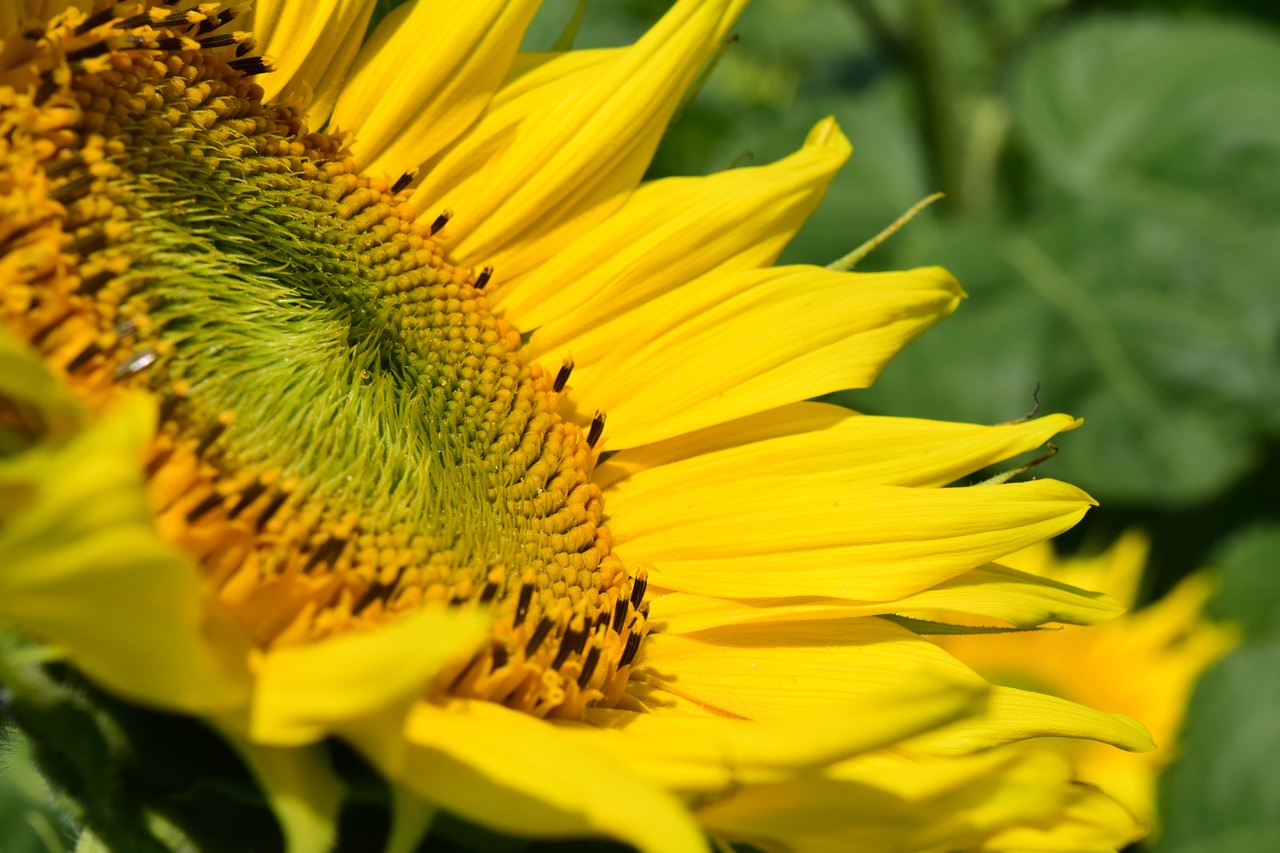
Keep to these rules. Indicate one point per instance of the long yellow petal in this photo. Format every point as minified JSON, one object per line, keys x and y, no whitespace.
{"x":79,"y":549}
{"x":306,"y":692}
{"x":887,"y":451}
{"x":307,"y":42}
{"x":1014,"y":715}
{"x":567,"y":153}
{"x":993,"y":592}
{"x":885,"y":802}
{"x":797,"y":670}
{"x":778,"y":536}
{"x":520,"y":775}
{"x":730,"y":345}
{"x":712,"y":754}
{"x":670,"y":232}
{"x":427,"y":72}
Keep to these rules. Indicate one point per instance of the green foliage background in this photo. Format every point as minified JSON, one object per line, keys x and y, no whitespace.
{"x":1112,"y":173}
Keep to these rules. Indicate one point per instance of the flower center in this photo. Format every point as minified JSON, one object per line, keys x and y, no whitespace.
{"x":346,"y":432}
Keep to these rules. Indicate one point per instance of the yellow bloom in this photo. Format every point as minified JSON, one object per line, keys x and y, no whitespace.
{"x":1144,"y":663}
{"x":317,"y":446}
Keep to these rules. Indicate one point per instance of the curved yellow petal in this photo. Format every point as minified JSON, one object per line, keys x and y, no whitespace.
{"x":307,"y":42}
{"x":885,"y":802}
{"x":797,"y":536}
{"x":718,"y":349}
{"x":565,"y":154}
{"x":78,"y":549}
{"x":1014,"y":715}
{"x":670,"y":232}
{"x":796,"y":670}
{"x":518,"y":774}
{"x":426,"y":73}
{"x":711,"y":754}
{"x":305,"y":692}
{"x":992,"y":592}
{"x":304,"y":792}
{"x":887,"y":451}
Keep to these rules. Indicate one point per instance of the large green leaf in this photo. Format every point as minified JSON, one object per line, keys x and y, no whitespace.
{"x":1222,"y":793}
{"x":1139,"y":286}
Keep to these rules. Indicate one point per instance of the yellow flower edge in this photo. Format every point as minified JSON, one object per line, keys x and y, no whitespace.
{"x":761,"y":529}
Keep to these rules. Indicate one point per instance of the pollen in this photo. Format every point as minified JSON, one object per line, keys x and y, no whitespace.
{"x":346,"y":432}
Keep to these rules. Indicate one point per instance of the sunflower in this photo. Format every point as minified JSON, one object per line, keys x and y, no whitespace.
{"x":1144,"y":663}
{"x":311,"y":341}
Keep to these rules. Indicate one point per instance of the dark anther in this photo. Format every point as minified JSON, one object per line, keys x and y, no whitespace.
{"x":619,"y":614}
{"x":522,"y":604}
{"x":65,"y":164}
{"x":73,"y":188}
{"x":135,"y":21}
{"x":97,"y":19}
{"x":172,"y":43}
{"x":589,"y":666}
{"x":629,"y":651}
{"x":375,"y":591}
{"x":46,"y":88}
{"x":204,"y":506}
{"x":244,"y":47}
{"x":137,"y":364}
{"x":643,"y":610}
{"x":157,"y":462}
{"x":562,"y":377}
{"x":500,"y":657}
{"x":249,"y":66}
{"x":637,"y":591}
{"x":95,"y":282}
{"x":539,"y":634}
{"x":88,"y":244}
{"x":489,"y":591}
{"x":38,"y":338}
{"x":211,"y":435}
{"x":326,"y":553}
{"x":98,"y":48}
{"x":440,"y":221}
{"x":248,"y":496}
{"x":597,"y":430}
{"x":271,"y":509}
{"x":571,"y":643}
{"x":220,"y":40}
{"x":216,"y":21}
{"x":33,"y":33}
{"x":483,"y":278}
{"x":404,"y":181}
{"x":83,"y":357}
{"x":168,"y":405}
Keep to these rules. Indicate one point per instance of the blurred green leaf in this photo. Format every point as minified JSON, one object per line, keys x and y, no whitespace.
{"x":1222,"y":793}
{"x":1142,"y":277}
{"x":1248,"y":572}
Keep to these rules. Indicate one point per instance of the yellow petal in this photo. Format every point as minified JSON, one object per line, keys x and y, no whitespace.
{"x":427,"y":72}
{"x":85,"y":571}
{"x":308,"y":41}
{"x":1089,"y":821}
{"x":670,"y":232}
{"x":883,"y":802}
{"x":306,"y":692}
{"x":710,"y":754}
{"x":566,"y":153}
{"x":991,"y":591}
{"x":793,"y":670}
{"x":734,"y":344}
{"x":797,"y":536}
{"x":889,"y":451}
{"x":1014,"y":715}
{"x":521,"y":775}
{"x":302,"y":789}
